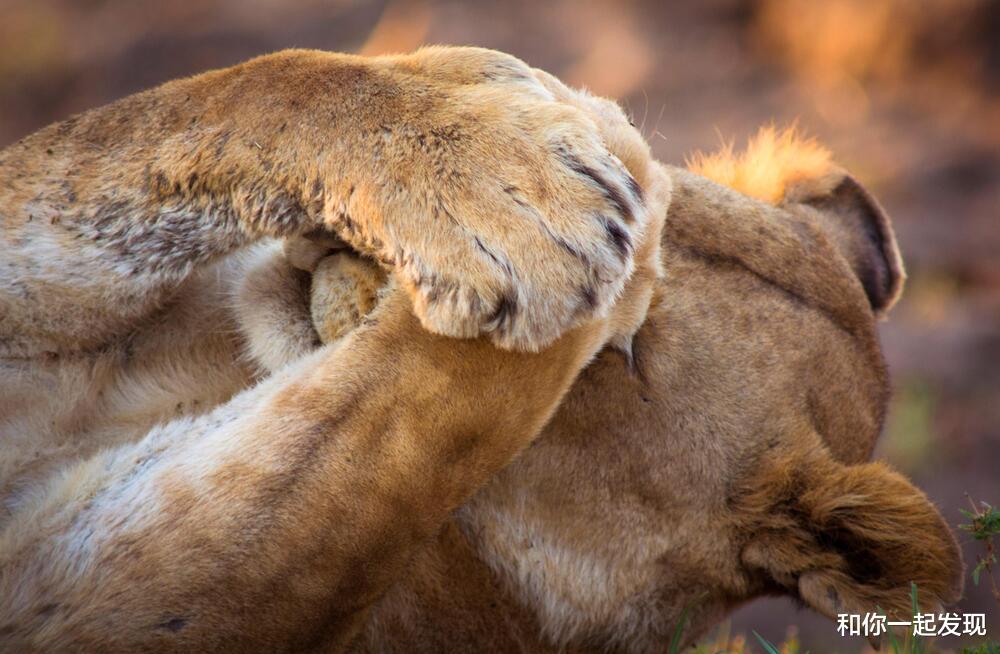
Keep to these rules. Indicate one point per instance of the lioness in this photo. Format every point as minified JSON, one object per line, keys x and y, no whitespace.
{"x":357,"y":495}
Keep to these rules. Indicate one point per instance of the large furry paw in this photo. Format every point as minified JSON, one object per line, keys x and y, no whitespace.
{"x":501,"y":207}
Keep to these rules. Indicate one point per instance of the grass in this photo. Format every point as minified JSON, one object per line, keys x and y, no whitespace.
{"x":984,"y":525}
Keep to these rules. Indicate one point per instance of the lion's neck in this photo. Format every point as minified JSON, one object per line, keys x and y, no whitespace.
{"x":451,"y":601}
{"x":478,"y":589}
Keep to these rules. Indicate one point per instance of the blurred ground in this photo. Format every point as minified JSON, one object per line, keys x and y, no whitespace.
{"x":905,"y":93}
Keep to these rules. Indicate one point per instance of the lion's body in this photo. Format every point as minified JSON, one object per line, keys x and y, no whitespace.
{"x":205,"y":478}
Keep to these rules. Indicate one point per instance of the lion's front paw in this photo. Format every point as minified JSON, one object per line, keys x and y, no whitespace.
{"x":499,"y":205}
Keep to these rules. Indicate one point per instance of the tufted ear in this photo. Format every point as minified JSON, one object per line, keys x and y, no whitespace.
{"x":785,"y":168}
{"x":848,"y":539}
{"x":860,"y":229}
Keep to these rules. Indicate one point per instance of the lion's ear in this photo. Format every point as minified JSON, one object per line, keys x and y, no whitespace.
{"x":785,"y":168}
{"x":861,"y":231}
{"x":850,"y":539}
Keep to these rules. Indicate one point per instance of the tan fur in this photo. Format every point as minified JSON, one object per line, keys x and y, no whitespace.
{"x":497,"y":205}
{"x":362,"y":496}
{"x":352,"y":286}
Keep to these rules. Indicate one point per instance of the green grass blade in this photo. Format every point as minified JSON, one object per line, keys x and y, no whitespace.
{"x":890,"y":636}
{"x":917,"y":646}
{"x":768,"y":647}
{"x":675,"y":642}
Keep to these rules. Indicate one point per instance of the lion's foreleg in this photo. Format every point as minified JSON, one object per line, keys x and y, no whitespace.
{"x":275,"y":521}
{"x":103,"y":215}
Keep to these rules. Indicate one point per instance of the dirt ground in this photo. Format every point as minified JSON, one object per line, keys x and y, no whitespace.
{"x":905,"y":93}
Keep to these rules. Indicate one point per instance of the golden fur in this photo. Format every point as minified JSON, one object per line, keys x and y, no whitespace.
{"x":772,"y":161}
{"x":206,"y":454}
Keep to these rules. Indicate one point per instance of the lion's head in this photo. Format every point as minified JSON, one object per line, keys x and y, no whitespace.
{"x":729,"y":461}
{"x":725,"y":457}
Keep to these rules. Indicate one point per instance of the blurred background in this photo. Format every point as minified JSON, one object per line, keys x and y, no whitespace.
{"x":904,"y":92}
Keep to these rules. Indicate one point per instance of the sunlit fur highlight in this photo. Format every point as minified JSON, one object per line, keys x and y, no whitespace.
{"x":773,"y":161}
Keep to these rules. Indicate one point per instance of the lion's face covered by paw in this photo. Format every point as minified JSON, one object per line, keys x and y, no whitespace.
{"x":721,"y":456}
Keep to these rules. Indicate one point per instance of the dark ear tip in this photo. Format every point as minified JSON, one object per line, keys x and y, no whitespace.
{"x":862,"y":232}
{"x":885,"y":239}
